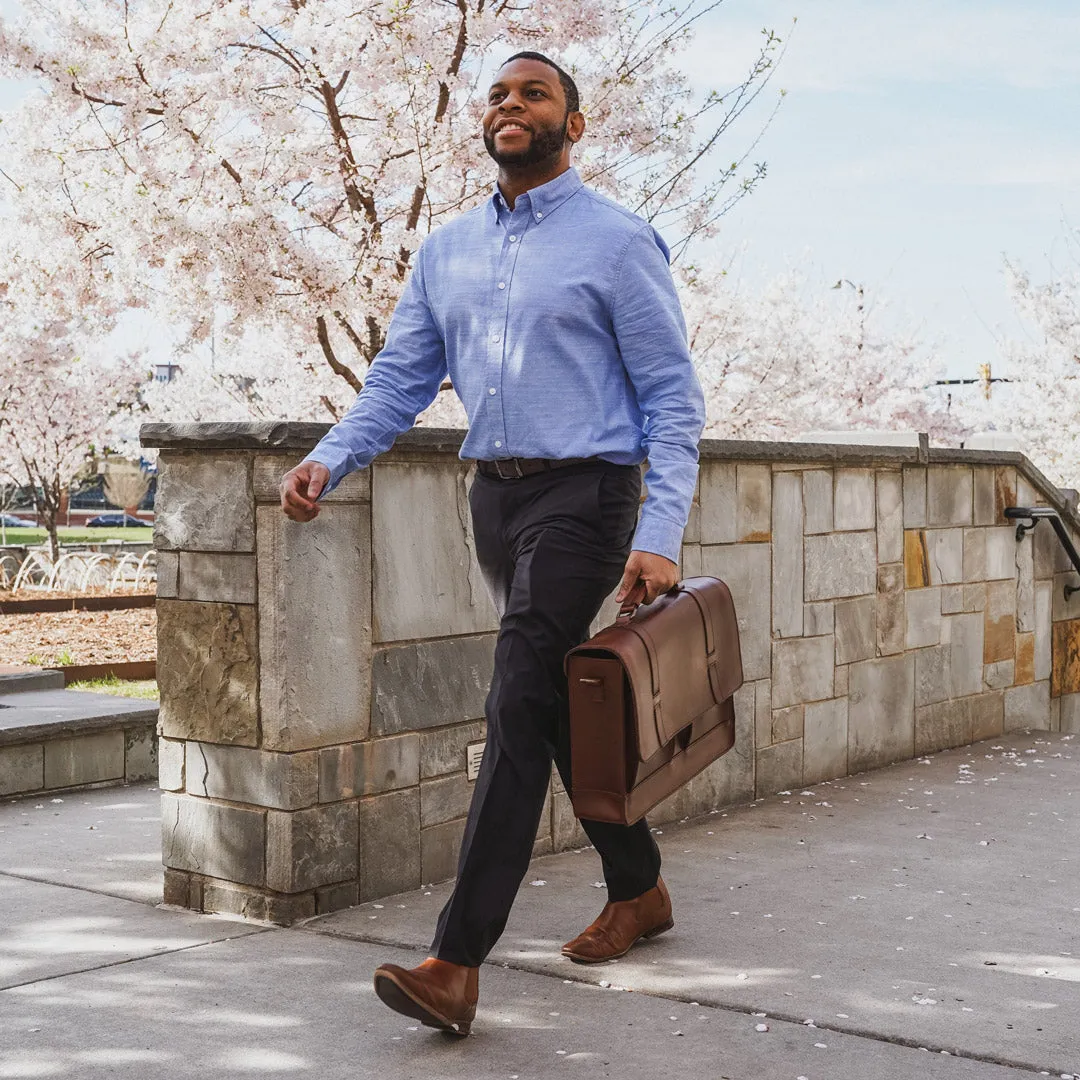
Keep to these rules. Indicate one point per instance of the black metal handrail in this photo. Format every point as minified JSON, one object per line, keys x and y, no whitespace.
{"x":1027,"y":517}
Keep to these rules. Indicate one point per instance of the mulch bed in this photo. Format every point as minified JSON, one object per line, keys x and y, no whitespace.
{"x":80,"y":637}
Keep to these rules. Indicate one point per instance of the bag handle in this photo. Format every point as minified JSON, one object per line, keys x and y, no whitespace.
{"x":628,"y":611}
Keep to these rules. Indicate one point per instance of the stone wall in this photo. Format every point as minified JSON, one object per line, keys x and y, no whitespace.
{"x":321,"y":684}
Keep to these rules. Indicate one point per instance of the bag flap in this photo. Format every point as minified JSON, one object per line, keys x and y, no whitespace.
{"x":680,"y":656}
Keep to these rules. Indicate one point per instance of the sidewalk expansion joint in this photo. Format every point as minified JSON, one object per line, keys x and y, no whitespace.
{"x":747,"y":1010}
{"x":127,"y":960}
{"x":77,"y":887}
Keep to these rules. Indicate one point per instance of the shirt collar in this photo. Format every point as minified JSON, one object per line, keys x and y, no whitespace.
{"x":544,"y":199}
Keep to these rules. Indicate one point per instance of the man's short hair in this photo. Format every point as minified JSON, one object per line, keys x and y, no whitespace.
{"x":573,"y":101}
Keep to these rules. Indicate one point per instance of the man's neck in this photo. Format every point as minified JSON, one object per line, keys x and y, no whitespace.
{"x":514,"y":182}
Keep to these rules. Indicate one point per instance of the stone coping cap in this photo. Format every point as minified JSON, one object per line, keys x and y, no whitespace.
{"x":33,"y":715}
{"x":294,"y":435}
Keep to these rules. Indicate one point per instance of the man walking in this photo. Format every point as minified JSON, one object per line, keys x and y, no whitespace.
{"x":554,"y":312}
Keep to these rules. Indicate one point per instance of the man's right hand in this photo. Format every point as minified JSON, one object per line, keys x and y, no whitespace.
{"x":300,"y":487}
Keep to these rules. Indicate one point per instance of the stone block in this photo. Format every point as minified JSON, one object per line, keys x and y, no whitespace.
{"x":566,"y":831}
{"x":140,"y":754}
{"x":825,"y":740}
{"x":987,"y":715}
{"x":306,"y":849}
{"x":171,"y":764}
{"x":890,"y":517}
{"x":856,"y":629}
{"x":22,"y":768}
{"x":1062,"y":608}
{"x":1000,"y":553}
{"x":336,"y":897}
{"x":1047,"y":551}
{"x":818,"y":619}
{"x":786,"y":724}
{"x":268,"y":469}
{"x":204,"y":503}
{"x":1026,"y":495}
{"x":840,"y":681}
{"x":975,"y":596}
{"x":223,"y":898}
{"x":1055,"y":714}
{"x":314,"y":627}
{"x":1065,"y":658}
{"x":881,"y":712}
{"x":983,"y":496}
{"x":207,"y":671}
{"x":225,"y":577}
{"x":432,"y":683}
{"x":439,"y":849}
{"x":945,"y":550}
{"x":1028,"y":707}
{"x":84,"y":759}
{"x":933,"y":675}
{"x":692,"y":531}
{"x":965,"y":654}
{"x":1070,"y":714}
{"x":853,"y":500}
{"x":923,"y":618}
{"x":802,"y":671}
{"x":1005,"y":487}
{"x":368,"y":768}
{"x":690,"y":561}
{"x":753,"y":497}
{"x":176,"y":889}
{"x":999,"y":640}
{"x":952,"y":599}
{"x":1043,"y":605}
{"x":1025,"y":659}
{"x":817,"y":501}
{"x":941,"y":725}
{"x":891,"y":609}
{"x":779,"y":767}
{"x":948,"y":495}
{"x":975,"y":554}
{"x":210,"y":838}
{"x":168,"y":574}
{"x":747,"y":571}
{"x":427,"y":581}
{"x":719,"y":506}
{"x":840,"y":565}
{"x":389,"y":827}
{"x":787,"y":555}
{"x":444,"y":798}
{"x":260,"y":777}
{"x":762,"y":702}
{"x":444,"y":750}
{"x":1025,"y":587}
{"x":916,"y":559}
{"x":998,"y":676}
{"x":914,"y":497}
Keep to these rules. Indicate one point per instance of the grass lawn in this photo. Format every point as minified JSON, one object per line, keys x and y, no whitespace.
{"x":133,"y":688}
{"x":22,"y":537}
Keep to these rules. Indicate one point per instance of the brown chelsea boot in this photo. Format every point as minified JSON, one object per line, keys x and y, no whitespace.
{"x":437,"y":993}
{"x":621,"y":924}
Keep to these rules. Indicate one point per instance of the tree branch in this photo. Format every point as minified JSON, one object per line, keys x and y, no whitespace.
{"x":336,"y":365}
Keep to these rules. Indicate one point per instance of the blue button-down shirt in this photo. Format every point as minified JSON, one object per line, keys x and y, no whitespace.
{"x":561,"y":330}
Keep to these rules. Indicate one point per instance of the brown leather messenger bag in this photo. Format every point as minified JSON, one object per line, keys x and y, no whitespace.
{"x":651,"y":700}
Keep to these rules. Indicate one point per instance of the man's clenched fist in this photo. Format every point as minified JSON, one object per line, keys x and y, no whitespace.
{"x":646,"y":576}
{"x":300,"y":487}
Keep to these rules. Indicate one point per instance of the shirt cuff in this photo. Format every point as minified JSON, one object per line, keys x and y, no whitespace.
{"x":659,"y":537}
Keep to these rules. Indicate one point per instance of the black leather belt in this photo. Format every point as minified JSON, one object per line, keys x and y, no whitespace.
{"x":516,"y":468}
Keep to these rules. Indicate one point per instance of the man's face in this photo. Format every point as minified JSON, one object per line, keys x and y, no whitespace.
{"x":525,"y":118}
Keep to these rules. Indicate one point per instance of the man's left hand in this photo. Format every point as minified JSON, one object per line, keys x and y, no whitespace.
{"x":646,"y":576}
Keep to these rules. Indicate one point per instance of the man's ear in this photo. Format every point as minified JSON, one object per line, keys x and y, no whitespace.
{"x":575,"y":126}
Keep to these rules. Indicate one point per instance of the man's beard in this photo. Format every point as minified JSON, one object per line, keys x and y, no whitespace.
{"x":544,"y":145}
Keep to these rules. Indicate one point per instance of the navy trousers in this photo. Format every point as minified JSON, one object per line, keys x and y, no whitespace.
{"x":551,"y":546}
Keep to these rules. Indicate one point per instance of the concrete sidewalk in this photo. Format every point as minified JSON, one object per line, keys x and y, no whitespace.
{"x":919,"y":921}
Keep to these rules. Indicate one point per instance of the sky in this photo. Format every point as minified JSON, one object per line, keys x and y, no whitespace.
{"x":919,"y":144}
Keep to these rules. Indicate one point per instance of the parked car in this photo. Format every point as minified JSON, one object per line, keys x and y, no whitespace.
{"x":10,"y":521}
{"x":113,"y":521}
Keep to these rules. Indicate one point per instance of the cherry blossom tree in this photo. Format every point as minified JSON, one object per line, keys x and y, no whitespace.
{"x":258,"y":173}
{"x":797,"y":357}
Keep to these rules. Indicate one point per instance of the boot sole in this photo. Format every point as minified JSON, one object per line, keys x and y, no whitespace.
{"x":395,"y":996}
{"x":656,"y":931}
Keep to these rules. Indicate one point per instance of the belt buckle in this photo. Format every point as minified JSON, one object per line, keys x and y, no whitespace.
{"x":516,"y":475}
